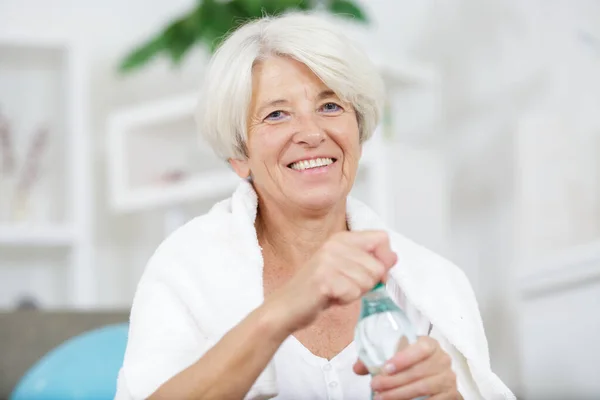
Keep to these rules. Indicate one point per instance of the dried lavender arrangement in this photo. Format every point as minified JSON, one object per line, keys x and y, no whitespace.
{"x":6,"y":150}
{"x":7,"y":168}
{"x":29,"y":175}
{"x":17,"y":184}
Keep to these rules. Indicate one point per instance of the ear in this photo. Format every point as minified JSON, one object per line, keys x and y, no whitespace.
{"x":241,"y":167}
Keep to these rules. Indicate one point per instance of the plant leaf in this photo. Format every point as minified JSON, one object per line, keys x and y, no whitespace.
{"x":142,"y":54}
{"x":218,"y":20}
{"x":275,"y":7}
{"x":181,"y":36}
{"x":347,"y":9}
{"x":210,"y":21}
{"x":175,"y":40}
{"x":250,"y":8}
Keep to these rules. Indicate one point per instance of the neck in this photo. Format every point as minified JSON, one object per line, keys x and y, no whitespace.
{"x":294,"y":236}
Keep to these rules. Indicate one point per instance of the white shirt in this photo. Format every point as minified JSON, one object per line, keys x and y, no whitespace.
{"x":301,"y":375}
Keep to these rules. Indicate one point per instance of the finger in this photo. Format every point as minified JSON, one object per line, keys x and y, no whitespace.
{"x":431,"y":385}
{"x":424,"y":348}
{"x":433,"y":365}
{"x":360,"y":368}
{"x":360,"y":266}
{"x":445,"y":396}
{"x":343,"y":290}
{"x":376,"y":242}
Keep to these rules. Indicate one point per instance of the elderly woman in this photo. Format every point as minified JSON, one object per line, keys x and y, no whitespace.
{"x":259,"y":298}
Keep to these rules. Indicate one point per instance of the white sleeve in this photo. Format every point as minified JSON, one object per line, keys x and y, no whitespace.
{"x":465,"y":384}
{"x":163,"y":340}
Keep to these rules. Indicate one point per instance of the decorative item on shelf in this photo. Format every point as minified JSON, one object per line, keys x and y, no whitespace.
{"x":30,"y":174}
{"x":27,"y":302}
{"x":173,"y":176}
{"x":16,"y":186}
{"x":7,"y":164}
{"x":6,"y":149}
{"x":209,"y":21}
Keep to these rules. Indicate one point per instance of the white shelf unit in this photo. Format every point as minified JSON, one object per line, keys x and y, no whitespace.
{"x":150,"y":140}
{"x":558,"y":299}
{"x":46,"y":249}
{"x":559,"y":271}
{"x":59,"y":236}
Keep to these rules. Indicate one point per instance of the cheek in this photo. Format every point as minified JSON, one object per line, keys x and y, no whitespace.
{"x":265,"y":148}
{"x":348,"y":138}
{"x":273,"y":141}
{"x":343,"y":127}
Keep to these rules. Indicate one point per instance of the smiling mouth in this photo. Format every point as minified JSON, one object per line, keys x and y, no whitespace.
{"x":310,"y":164}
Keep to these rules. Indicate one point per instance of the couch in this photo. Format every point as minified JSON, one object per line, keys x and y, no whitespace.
{"x":27,"y":335}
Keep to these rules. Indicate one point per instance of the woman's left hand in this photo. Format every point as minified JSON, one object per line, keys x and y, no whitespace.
{"x":421,"y":369}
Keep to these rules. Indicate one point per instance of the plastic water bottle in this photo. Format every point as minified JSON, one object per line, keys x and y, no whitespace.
{"x":383,"y":329}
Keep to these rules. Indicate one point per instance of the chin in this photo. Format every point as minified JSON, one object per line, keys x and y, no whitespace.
{"x":317,"y":200}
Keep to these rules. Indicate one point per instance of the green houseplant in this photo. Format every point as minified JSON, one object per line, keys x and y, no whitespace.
{"x":208,"y":22}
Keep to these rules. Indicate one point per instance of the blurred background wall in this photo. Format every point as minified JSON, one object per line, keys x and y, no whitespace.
{"x":493,"y":162}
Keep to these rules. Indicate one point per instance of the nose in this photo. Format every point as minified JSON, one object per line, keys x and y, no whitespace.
{"x":309,"y":133}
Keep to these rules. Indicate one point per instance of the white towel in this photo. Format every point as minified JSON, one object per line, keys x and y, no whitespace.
{"x":207,"y":276}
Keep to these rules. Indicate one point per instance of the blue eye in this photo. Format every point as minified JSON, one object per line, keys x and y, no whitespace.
{"x":275,"y":115}
{"x":331,"y":107}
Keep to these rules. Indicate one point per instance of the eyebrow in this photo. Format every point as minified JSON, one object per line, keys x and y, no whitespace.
{"x":279,"y":102}
{"x":325,"y":94}
{"x":272,"y":103}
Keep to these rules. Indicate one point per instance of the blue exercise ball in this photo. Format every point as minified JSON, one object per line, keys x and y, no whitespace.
{"x":83,"y":367}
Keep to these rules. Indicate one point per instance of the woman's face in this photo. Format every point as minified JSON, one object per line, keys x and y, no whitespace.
{"x":303,"y":141}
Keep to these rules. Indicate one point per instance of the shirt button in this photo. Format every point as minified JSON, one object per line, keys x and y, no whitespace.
{"x":333,"y":384}
{"x":327,"y":367}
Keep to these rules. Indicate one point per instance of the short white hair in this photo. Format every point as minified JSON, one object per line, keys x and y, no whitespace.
{"x":312,"y":40}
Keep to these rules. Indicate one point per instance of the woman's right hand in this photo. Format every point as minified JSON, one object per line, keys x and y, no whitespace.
{"x":347,"y":266}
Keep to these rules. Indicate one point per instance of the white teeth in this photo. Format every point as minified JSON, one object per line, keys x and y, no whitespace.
{"x":314,"y":163}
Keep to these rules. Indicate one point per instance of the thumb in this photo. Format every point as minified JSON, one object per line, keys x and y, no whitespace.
{"x":360,"y":368}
